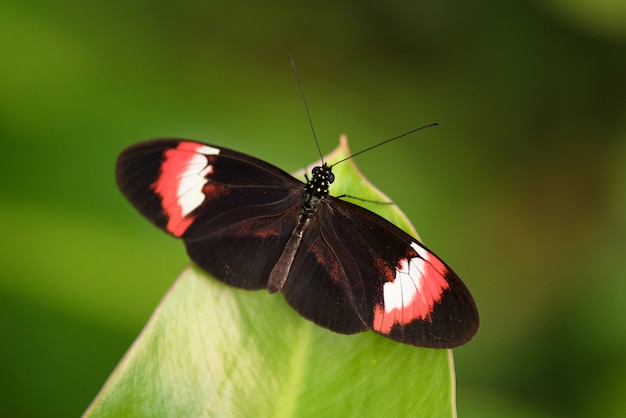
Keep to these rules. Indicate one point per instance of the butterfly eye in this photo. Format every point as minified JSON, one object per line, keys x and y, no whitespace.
{"x":331,"y":178}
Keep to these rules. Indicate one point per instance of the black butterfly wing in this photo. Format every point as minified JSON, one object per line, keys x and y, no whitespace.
{"x":321,"y":283}
{"x":234,"y":212}
{"x":355,"y":271}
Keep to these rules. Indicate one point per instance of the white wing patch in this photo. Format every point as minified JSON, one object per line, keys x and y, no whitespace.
{"x":207,"y":150}
{"x":404,"y":288}
{"x":192,"y":180}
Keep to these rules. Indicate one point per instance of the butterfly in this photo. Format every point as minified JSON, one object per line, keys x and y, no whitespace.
{"x":253,"y":226}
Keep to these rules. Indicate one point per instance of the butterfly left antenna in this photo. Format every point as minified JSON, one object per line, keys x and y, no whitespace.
{"x":306,"y":106}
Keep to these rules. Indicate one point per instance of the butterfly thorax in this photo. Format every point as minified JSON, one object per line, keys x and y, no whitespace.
{"x":317,"y":188}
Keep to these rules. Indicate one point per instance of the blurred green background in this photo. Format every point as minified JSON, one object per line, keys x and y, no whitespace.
{"x":522,"y":189}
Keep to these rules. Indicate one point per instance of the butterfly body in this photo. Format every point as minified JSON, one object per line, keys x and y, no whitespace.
{"x":253,"y":226}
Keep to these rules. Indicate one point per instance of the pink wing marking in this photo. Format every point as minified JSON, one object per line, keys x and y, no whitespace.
{"x":418,"y":285}
{"x":184,"y":172}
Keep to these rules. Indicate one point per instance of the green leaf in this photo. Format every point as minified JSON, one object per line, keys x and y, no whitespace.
{"x":213,"y":350}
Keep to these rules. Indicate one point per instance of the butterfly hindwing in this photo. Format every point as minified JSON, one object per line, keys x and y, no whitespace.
{"x":243,"y":254}
{"x":321,"y":282}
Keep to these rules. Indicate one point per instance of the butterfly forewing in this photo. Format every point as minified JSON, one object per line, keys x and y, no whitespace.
{"x":233,"y":211}
{"x":402,"y":290}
